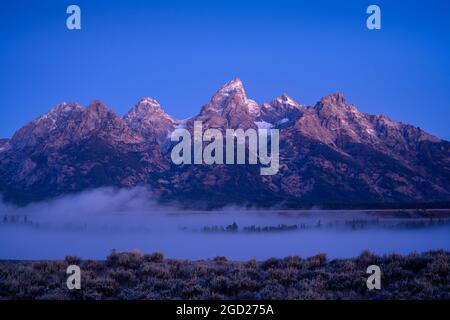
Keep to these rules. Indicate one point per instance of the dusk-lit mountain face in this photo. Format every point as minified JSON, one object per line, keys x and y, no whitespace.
{"x":330,"y":154}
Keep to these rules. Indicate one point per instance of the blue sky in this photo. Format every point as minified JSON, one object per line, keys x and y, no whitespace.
{"x":181,"y":52}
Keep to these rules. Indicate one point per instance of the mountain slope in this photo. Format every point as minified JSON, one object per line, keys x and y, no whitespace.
{"x":230,"y":108}
{"x":71,"y":149}
{"x":330,"y":154}
{"x":149,"y":119}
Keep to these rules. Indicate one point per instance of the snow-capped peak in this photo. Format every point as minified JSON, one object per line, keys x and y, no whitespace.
{"x":287,"y":100}
{"x":230,"y":86}
{"x":149,"y":102}
{"x":147,"y":108}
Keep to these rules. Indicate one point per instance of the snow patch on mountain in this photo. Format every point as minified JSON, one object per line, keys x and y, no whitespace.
{"x":263,"y":125}
{"x":284,"y":120}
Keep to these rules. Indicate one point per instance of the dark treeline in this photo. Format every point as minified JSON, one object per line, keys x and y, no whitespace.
{"x":353,"y":224}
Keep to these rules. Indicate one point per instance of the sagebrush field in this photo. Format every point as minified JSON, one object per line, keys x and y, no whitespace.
{"x":136,"y":276}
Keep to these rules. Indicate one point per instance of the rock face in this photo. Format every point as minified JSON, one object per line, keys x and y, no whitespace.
{"x":71,"y":149}
{"x":150,"y":120}
{"x":230,"y":108}
{"x":282,"y":111}
{"x":330,"y":154}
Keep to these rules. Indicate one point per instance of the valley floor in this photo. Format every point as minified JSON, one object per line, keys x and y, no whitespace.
{"x":136,"y":276}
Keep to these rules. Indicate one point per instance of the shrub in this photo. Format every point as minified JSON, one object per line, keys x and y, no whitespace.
{"x":112,"y":259}
{"x":122,"y":275}
{"x":316,"y":261}
{"x":293,"y":261}
{"x":154,"y":257}
{"x":270,"y":263}
{"x":251,"y":264}
{"x":220,"y":260}
{"x":73,"y":260}
{"x":367,"y":258}
{"x":133,"y":276}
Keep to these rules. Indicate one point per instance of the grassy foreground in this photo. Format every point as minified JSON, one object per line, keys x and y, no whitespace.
{"x":137,"y":276}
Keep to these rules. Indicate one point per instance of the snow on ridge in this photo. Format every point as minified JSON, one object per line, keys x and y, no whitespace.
{"x":231,"y":86}
{"x":371,"y":131}
{"x":263,"y":125}
{"x":284,"y":120}
{"x":253,"y":106}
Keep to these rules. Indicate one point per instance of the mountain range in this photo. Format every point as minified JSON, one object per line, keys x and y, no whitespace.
{"x":331,"y":155}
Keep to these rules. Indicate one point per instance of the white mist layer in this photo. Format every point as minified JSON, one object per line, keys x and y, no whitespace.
{"x":92,"y":223}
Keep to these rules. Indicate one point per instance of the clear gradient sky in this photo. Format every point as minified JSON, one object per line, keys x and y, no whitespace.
{"x":181,"y":52}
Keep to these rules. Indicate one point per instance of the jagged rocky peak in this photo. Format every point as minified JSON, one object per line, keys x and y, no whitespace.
{"x":230,"y":96}
{"x":335,"y":107}
{"x":281,"y":110}
{"x":330,"y":149}
{"x":97,"y":115}
{"x":61,"y":111}
{"x":334,"y":122}
{"x":335,"y":99}
{"x":147,"y":104}
{"x":230,"y":108}
{"x":147,"y":109}
{"x":285,"y":100}
{"x":149,"y":119}
{"x":232,"y":87}
{"x":284,"y":103}
{"x":97,"y":107}
{"x":51,"y":123}
{"x":99,"y":121}
{"x":334,"y":103}
{"x":232,"y":90}
{"x":66,"y":107}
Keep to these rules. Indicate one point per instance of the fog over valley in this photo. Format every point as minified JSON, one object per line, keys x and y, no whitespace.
{"x":92,"y":223}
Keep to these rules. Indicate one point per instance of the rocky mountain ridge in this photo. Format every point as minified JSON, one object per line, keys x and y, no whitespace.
{"x":330,"y":154}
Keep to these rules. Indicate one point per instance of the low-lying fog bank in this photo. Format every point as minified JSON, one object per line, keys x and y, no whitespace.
{"x":92,"y":223}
